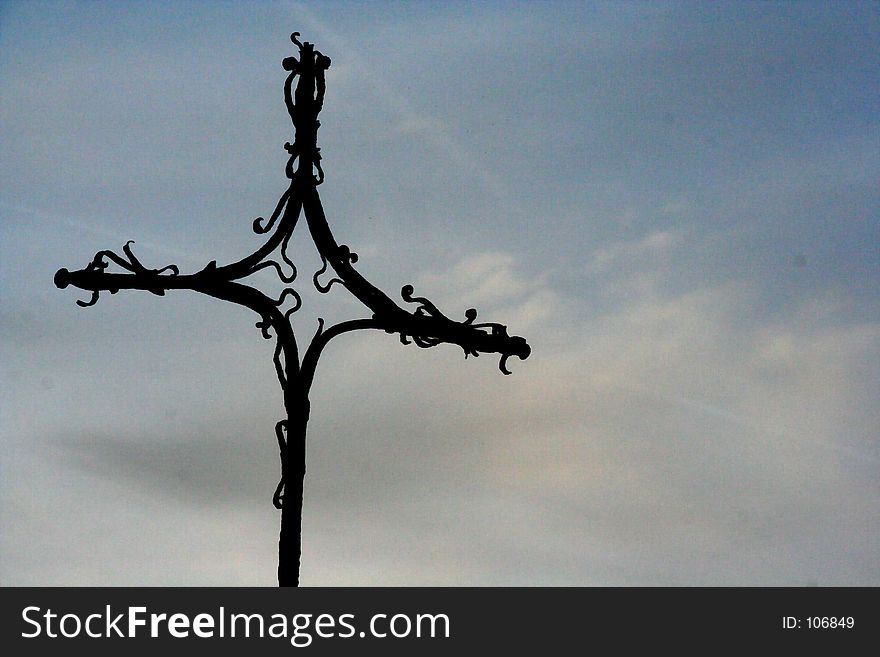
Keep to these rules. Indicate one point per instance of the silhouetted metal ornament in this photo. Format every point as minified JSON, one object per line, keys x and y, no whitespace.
{"x":425,"y":326}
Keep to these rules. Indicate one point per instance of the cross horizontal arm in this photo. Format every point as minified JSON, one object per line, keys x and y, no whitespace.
{"x":95,"y":280}
{"x":101,"y":281}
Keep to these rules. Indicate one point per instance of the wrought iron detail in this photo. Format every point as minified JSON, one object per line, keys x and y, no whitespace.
{"x":425,"y":326}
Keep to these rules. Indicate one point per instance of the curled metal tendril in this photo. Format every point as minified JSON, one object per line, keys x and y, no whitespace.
{"x":320,"y":329}
{"x":131,"y":264}
{"x":290,"y":292}
{"x":279,"y":366}
{"x":425,"y":306}
{"x":139,"y":268}
{"x":348,"y":254}
{"x":324,"y":289}
{"x":288,"y":168}
{"x":264,"y":325}
{"x":425,"y":343}
{"x":271,"y":263}
{"x":258,"y":226}
{"x":285,"y":257}
{"x":90,"y":302}
{"x":278,"y":497}
{"x":286,"y":278}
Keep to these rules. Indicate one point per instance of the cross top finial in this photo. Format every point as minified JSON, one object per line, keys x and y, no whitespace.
{"x":304,"y":105}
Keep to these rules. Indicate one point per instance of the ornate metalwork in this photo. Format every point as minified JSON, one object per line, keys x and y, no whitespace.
{"x":425,"y":326}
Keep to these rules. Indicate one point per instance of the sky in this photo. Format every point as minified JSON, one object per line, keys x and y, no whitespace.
{"x":675,"y":203}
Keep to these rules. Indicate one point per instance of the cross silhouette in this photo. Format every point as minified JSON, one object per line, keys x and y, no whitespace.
{"x":425,"y":326}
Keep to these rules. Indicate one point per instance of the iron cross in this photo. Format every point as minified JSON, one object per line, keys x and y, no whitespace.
{"x":425,"y":325}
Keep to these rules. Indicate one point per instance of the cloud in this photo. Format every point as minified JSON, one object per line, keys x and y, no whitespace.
{"x":608,"y":256}
{"x":483,"y":278}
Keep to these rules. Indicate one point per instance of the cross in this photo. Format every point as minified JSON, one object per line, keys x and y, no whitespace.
{"x":425,"y":325}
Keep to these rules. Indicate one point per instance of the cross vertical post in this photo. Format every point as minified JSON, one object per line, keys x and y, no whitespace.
{"x":425,"y":326}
